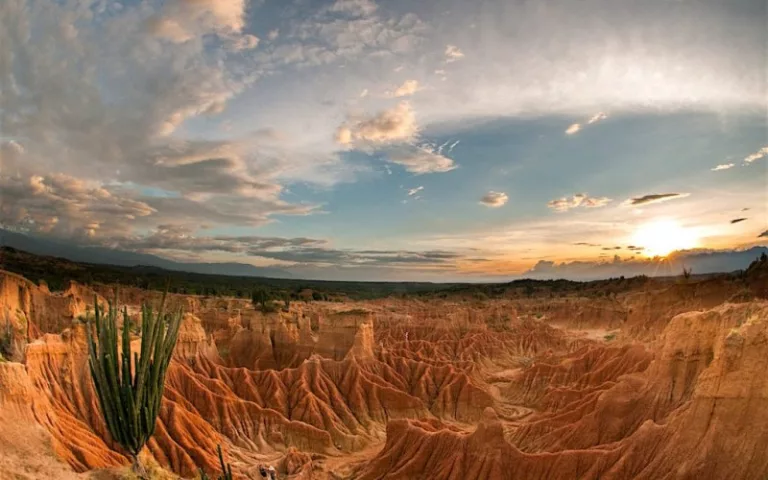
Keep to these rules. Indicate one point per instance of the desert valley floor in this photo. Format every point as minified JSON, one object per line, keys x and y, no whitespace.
{"x":644,"y":379}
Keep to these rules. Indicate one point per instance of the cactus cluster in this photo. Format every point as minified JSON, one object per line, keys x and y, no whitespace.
{"x":130,"y":392}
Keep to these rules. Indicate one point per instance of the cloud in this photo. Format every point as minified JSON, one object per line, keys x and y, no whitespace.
{"x":409,"y":87}
{"x":273,"y":34}
{"x":356,"y":8}
{"x":576,"y":127}
{"x":329,"y":256}
{"x":701,"y":261}
{"x":655,"y":198}
{"x":724,"y":166}
{"x":346,"y":31}
{"x":764,"y":234}
{"x":414,"y":191}
{"x":494,"y":199}
{"x":597,"y":117}
{"x":10,"y":155}
{"x":182,"y":20}
{"x":578,"y":200}
{"x":396,"y":124}
{"x":63,"y":205}
{"x":586,"y":244}
{"x":738,"y":220}
{"x":420,"y":159}
{"x":245,"y":42}
{"x":182,"y":239}
{"x":573,"y":129}
{"x":763,"y":152}
{"x":104,"y":115}
{"x":452,"y":53}
{"x":364,"y":93}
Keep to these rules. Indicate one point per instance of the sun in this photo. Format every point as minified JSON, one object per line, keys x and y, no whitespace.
{"x":661,"y":237}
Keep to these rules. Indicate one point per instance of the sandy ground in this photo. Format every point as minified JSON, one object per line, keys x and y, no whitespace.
{"x":26,"y":452}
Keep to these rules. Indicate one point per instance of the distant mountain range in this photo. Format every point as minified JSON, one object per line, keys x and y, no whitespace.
{"x":100,"y":255}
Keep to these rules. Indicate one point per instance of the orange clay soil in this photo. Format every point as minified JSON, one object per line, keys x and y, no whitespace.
{"x":663,"y":381}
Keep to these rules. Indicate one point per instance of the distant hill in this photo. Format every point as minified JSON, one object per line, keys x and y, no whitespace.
{"x":57,"y":272}
{"x":121,"y":258}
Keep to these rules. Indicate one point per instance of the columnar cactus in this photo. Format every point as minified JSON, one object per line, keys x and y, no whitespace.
{"x":130,"y":392}
{"x":226,"y":469}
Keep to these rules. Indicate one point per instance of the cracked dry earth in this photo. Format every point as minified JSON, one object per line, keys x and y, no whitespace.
{"x":667,"y":381}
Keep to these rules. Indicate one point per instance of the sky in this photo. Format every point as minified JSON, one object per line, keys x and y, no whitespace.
{"x":354,"y":139}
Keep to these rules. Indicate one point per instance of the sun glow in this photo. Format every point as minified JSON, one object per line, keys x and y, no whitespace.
{"x":662,"y":237}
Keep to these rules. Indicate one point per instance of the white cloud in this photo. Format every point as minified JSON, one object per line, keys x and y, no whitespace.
{"x":414,"y":191}
{"x":452,"y":53}
{"x":724,"y":166}
{"x":396,"y":124}
{"x":409,"y":87}
{"x":576,"y":127}
{"x":245,"y":42}
{"x":763,"y":152}
{"x":494,"y":199}
{"x":578,"y":200}
{"x":597,"y":117}
{"x":573,"y":129}
{"x":364,"y":93}
{"x":273,"y":34}
{"x":420,"y":159}
{"x":182,"y":20}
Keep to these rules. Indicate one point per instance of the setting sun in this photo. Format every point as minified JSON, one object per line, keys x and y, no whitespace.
{"x":662,"y":237}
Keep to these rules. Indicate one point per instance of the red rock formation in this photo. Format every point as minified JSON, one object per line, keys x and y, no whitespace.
{"x":700,"y":411}
{"x":422,"y":389}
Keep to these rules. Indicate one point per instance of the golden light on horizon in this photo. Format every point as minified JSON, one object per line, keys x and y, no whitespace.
{"x":661,"y":237}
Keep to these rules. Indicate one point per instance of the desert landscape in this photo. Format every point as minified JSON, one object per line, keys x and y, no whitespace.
{"x":383,"y":240}
{"x":623,"y":379}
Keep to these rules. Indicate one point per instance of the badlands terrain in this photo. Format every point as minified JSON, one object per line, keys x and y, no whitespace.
{"x":624,"y":379}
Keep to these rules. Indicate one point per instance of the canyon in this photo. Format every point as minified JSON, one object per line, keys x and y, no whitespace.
{"x":656,"y":379}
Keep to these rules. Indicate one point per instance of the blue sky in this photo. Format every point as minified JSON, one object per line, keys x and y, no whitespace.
{"x":386,"y":140}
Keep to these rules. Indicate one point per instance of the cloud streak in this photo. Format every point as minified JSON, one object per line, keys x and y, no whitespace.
{"x":723,"y":166}
{"x":753,"y":157}
{"x":654,"y":198}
